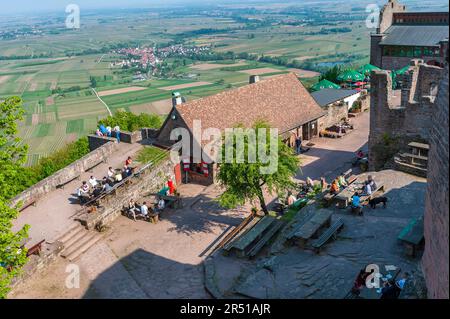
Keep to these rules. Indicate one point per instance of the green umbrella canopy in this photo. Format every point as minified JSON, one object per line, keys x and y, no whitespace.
{"x":324,"y":84}
{"x":367,"y":68}
{"x":402,"y":70}
{"x":350,"y":76}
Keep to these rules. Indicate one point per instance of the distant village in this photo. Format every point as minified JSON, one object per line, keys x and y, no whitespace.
{"x":150,"y":57}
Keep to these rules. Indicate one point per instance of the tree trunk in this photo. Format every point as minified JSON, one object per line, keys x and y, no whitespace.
{"x":262,"y":202}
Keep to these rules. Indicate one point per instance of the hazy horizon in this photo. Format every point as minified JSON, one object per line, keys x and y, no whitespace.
{"x":33,"y":6}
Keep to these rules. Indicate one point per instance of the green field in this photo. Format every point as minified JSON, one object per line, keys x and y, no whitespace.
{"x":53,"y":75}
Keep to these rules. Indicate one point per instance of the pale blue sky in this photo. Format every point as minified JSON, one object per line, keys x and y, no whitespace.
{"x":8,"y":6}
{"x":26,"y":6}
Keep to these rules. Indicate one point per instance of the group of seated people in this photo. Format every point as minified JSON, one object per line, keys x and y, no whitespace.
{"x":369,"y":187}
{"x":94,"y":188}
{"x":135,"y":209}
{"x":338,"y":183}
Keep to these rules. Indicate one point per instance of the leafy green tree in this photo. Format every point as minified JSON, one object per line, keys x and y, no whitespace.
{"x":128,"y":121}
{"x":12,"y":157}
{"x":246,"y":181}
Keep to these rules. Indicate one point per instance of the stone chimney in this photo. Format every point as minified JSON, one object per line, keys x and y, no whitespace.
{"x":253,"y":79}
{"x":176,"y":99}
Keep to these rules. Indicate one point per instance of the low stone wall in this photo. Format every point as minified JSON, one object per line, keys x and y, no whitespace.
{"x":150,"y":180}
{"x":97,"y":141}
{"x":147,"y":133}
{"x":130,"y":137}
{"x":125,"y":137}
{"x":37,"y":263}
{"x":65,"y":175}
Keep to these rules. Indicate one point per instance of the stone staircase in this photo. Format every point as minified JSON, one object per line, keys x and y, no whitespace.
{"x":77,"y":241}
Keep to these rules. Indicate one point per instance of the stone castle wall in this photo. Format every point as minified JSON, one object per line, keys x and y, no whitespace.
{"x":406,"y":117}
{"x":435,"y":262}
{"x":152,"y":179}
{"x":65,"y":175}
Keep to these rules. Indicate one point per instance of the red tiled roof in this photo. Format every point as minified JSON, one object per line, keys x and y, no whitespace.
{"x":282,"y":101}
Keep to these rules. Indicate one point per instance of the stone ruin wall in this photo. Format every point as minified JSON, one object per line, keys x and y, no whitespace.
{"x":435,"y":261}
{"x":410,"y":119}
{"x":152,"y":180}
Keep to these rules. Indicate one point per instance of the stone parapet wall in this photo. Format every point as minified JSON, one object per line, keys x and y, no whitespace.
{"x":65,"y":175}
{"x":405,"y":118}
{"x":151,"y":179}
{"x":148,"y":133}
{"x":97,"y":141}
{"x":435,"y":262}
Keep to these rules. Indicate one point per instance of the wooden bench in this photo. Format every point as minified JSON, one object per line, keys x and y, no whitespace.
{"x":328,"y":198}
{"x":415,"y":159}
{"x":243,"y":229}
{"x":320,"y":219}
{"x":243,"y":244}
{"x":28,"y":204}
{"x":264,"y":239}
{"x":329,"y":233}
{"x":365,"y":199}
{"x":412,"y":236}
{"x":61,"y":186}
{"x":35,"y":249}
{"x":304,"y":218}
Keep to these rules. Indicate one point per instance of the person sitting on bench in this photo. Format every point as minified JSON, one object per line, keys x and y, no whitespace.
{"x":390,"y":290}
{"x":356,"y":201}
{"x":334,"y":189}
{"x":372,"y":184}
{"x":144,"y":210}
{"x":126,"y":171}
{"x":160,"y":206}
{"x":93,"y":181}
{"x":106,"y":186}
{"x":111,"y":174}
{"x":132,"y":209}
{"x":83,"y":192}
{"x":342,"y":181}
{"x":291,"y":199}
{"x":323,"y":183}
{"x":118,"y":177}
{"x":367,"y":190}
{"x":97,"y":190}
{"x":359,"y":157}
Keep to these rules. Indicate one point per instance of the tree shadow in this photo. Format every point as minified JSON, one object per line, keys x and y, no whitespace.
{"x":201,"y":214}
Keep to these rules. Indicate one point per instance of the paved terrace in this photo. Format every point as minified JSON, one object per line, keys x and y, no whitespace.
{"x":165,"y":260}
{"x":53,"y":214}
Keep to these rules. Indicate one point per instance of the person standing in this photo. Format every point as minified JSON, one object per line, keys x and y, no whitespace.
{"x":298,"y":144}
{"x":117,"y":132}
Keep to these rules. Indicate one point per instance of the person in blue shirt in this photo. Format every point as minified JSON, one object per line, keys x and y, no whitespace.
{"x":103,"y":129}
{"x":356,"y":201}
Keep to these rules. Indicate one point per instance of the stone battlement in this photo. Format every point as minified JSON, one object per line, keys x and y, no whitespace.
{"x":404,"y":114}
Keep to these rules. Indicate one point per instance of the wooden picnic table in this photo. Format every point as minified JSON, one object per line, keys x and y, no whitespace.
{"x":320,"y":219}
{"x":345,"y":196}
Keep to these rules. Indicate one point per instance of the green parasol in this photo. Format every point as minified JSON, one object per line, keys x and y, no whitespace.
{"x":402,"y":70}
{"x":367,"y":68}
{"x":324,"y":84}
{"x":350,"y":76}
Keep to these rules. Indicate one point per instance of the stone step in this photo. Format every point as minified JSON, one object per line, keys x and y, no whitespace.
{"x":73,"y":230}
{"x":77,"y":237}
{"x":91,"y":242}
{"x":83,"y":240}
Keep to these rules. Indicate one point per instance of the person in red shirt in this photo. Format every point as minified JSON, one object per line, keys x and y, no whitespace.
{"x":128,"y":161}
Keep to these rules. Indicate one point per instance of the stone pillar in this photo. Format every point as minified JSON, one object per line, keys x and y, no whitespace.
{"x":376,"y":52}
{"x":380,"y":83}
